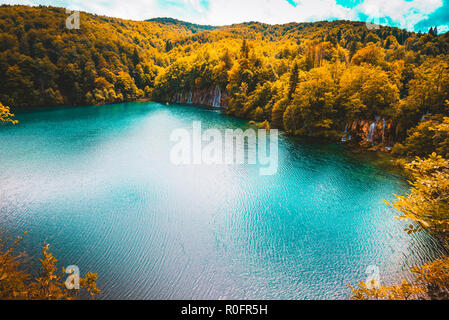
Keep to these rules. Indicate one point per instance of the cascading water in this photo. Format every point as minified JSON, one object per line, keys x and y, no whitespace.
{"x":217,"y":98}
{"x":425,"y":116}
{"x":370,"y":136}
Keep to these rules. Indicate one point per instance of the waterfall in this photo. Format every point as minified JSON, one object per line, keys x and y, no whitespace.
{"x":345,"y":135}
{"x":371,"y":130}
{"x":383,"y":130}
{"x":190,"y":97}
{"x":217,"y":97}
{"x":425,"y":115}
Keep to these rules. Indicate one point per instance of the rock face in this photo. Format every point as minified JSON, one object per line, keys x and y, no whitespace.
{"x":379,"y":133}
{"x":212,"y":97}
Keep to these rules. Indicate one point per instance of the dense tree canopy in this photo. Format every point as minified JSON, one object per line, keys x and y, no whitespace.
{"x":307,"y":78}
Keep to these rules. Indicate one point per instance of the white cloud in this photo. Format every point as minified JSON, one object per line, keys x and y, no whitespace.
{"x":129,"y":9}
{"x":220,"y":12}
{"x":22,"y":2}
{"x":195,"y":4}
{"x":443,"y":29}
{"x":270,"y":11}
{"x":402,"y":12}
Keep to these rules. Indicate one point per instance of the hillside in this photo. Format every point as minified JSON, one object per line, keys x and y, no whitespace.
{"x":324,"y":79}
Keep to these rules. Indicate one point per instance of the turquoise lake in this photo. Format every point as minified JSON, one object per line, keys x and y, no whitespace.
{"x":96,"y":184}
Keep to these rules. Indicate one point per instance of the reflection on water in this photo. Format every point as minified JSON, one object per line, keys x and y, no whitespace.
{"x":96,"y":183}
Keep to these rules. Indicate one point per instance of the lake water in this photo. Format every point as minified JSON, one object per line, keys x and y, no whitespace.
{"x":96,"y":184}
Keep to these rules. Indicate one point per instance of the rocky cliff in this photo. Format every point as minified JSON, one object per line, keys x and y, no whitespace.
{"x":379,"y":134}
{"x":212,"y":97}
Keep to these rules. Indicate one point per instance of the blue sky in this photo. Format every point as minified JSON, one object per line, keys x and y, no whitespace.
{"x":414,"y":15}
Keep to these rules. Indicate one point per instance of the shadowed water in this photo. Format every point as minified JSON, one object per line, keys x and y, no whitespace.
{"x":97,"y":184}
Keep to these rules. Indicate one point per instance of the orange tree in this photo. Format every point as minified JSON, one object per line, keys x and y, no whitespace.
{"x":6,"y":115}
{"x":17,"y":283}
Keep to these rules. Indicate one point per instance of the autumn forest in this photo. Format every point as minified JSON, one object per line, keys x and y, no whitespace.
{"x":375,"y":87}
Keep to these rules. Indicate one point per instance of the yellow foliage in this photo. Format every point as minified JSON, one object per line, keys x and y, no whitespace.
{"x":427,"y":206}
{"x":6,"y":115}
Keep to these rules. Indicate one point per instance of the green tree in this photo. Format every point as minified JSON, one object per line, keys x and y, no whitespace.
{"x":277,"y":114}
{"x":293,"y":82}
{"x":371,"y":54}
{"x":429,"y":135}
{"x":315,"y":100}
{"x":367,"y":91}
{"x":429,"y":90}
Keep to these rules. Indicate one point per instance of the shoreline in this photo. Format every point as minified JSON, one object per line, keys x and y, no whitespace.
{"x":394,"y":162}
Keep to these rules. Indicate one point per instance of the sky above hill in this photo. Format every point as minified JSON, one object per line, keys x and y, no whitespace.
{"x":414,"y":15}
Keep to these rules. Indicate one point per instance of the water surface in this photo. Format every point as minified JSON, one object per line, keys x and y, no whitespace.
{"x":96,"y":183}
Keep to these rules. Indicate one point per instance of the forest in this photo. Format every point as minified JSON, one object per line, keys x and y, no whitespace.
{"x":312,"y":79}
